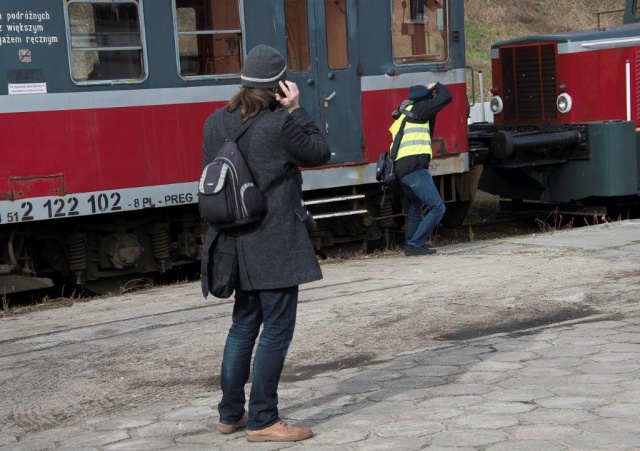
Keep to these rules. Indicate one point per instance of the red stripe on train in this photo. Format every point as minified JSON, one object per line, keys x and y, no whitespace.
{"x":101,"y":149}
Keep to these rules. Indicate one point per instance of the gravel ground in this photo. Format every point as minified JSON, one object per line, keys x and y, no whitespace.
{"x":162,"y":346}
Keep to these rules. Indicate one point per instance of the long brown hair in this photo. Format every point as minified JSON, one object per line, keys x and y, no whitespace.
{"x":250,"y":101}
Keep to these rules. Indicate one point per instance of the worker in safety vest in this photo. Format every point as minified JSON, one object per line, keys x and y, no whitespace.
{"x":411,"y":134}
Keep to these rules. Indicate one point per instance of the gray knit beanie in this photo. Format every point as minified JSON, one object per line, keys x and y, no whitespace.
{"x":263,"y":68}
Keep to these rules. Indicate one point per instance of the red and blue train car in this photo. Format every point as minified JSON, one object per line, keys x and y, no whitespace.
{"x":102,"y":104}
{"x":566,"y":114}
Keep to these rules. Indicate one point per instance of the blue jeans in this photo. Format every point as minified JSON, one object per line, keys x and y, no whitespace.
{"x":275,"y":310}
{"x":422,"y":192}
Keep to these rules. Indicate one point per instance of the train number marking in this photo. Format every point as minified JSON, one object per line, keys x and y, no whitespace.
{"x":55,"y":208}
{"x":14,"y":216}
{"x":115,"y":197}
{"x":60,"y":206}
{"x":28,"y":206}
{"x":73,"y":209}
{"x":94,"y":203}
{"x":105,"y":203}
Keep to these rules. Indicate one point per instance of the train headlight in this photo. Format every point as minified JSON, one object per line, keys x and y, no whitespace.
{"x":564,"y":103}
{"x":496,"y":105}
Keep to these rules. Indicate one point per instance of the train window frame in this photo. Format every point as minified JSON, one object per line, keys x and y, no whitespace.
{"x":426,"y":58}
{"x":177,"y":33}
{"x":141,"y":48}
{"x":297,"y":33}
{"x":337,"y":35}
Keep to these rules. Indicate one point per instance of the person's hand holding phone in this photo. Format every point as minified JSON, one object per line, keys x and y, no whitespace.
{"x":289,"y":100}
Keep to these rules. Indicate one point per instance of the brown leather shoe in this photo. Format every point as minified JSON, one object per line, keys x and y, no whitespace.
{"x":279,"y":432}
{"x":224,"y":428}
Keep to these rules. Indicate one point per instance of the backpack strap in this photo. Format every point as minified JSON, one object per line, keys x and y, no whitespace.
{"x":403,"y":109}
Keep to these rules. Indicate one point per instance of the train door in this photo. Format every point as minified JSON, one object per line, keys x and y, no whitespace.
{"x":321,"y":48}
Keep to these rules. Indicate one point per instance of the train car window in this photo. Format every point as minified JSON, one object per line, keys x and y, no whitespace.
{"x":636,"y":9}
{"x":106,"y":41}
{"x":420,"y":31}
{"x":297,"y":35}
{"x":209,"y":37}
{"x":336,"y":19}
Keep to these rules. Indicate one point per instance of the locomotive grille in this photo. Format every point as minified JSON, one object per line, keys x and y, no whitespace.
{"x":529,"y":79}
{"x":638,"y":84}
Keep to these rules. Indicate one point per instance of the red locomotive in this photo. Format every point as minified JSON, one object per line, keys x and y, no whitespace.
{"x":566,"y":110}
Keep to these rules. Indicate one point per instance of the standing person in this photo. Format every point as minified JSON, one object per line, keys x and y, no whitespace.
{"x":275,"y":255}
{"x":414,"y":124}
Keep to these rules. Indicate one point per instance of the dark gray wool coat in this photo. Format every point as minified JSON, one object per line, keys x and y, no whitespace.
{"x":276,"y":252}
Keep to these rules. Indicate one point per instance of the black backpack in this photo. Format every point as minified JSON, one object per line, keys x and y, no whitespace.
{"x":227,"y":192}
{"x":386,"y":166}
{"x":386,"y":173}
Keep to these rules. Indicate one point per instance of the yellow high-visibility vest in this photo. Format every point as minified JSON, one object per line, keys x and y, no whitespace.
{"x":416,"y":139}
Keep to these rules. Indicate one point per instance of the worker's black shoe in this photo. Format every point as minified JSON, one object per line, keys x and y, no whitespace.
{"x":411,"y":251}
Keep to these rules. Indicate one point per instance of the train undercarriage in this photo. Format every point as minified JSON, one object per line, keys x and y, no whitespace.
{"x":589,"y":169}
{"x":86,"y":250}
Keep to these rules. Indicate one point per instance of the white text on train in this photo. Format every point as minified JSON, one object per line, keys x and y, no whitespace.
{"x":22,"y":28}
{"x":28,"y":15}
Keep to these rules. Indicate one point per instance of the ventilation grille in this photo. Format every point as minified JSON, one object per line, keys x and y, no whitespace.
{"x":638,"y":84}
{"x":529,"y":79}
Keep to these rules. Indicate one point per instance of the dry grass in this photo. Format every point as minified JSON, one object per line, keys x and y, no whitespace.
{"x":143,"y":283}
{"x":46,"y":302}
{"x":490,"y":21}
{"x":555,"y":221}
{"x":5,"y":304}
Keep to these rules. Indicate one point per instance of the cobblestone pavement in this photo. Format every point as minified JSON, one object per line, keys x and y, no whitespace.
{"x":547,"y":385}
